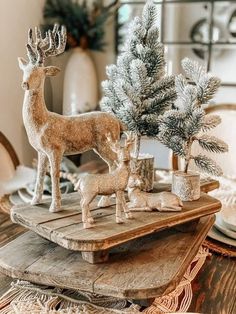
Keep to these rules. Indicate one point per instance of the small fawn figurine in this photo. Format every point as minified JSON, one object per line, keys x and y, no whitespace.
{"x":144,"y":201}
{"x":109,"y":183}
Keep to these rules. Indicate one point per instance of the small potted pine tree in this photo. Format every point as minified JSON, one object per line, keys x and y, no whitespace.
{"x":137,"y":90}
{"x":181,"y":127}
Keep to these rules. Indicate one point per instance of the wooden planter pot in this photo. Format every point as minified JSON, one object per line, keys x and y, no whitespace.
{"x":146,"y":171}
{"x":186,"y":185}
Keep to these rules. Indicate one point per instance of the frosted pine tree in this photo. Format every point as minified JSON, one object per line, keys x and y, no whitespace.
{"x":181,"y":127}
{"x":137,"y":90}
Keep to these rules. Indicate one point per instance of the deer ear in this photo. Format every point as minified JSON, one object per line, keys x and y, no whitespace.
{"x":51,"y":70}
{"x":22,"y":63}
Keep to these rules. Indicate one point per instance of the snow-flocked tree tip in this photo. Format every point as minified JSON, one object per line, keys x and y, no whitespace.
{"x":137,"y":90}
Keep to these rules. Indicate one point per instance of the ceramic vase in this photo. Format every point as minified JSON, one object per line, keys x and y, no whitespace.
{"x":80,"y":90}
{"x":186,"y":185}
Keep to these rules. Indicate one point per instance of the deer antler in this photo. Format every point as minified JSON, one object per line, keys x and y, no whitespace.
{"x":130,"y":139}
{"x":115,"y":145}
{"x":52,"y":44}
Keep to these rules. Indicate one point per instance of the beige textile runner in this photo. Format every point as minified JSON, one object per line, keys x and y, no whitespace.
{"x":26,"y":298}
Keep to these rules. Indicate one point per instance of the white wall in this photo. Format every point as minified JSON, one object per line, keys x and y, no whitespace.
{"x":16,"y":16}
{"x":15,"y":19}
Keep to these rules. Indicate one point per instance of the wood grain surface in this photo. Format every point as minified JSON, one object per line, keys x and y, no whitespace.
{"x":214,"y":288}
{"x":140,"y":269}
{"x":8,"y":232}
{"x":66,"y":228}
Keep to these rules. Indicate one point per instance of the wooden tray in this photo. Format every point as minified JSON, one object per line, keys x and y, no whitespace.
{"x":140,"y":269}
{"x":66,"y":229}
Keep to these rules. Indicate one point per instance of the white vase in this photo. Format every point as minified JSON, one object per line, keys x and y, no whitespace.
{"x":80,"y":90}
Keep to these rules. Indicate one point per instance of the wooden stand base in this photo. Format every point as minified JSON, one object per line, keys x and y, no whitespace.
{"x":188,"y":226}
{"x":66,"y":229}
{"x":140,"y":269}
{"x":95,"y":257}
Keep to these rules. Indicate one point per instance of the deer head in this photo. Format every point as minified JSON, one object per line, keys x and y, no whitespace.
{"x":123,"y":153}
{"x":37,"y":51}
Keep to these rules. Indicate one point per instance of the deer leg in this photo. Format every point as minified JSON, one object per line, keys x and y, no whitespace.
{"x":87,"y":219}
{"x":90,"y":218}
{"x":108,"y":155}
{"x":119,"y":219}
{"x":42,"y":167}
{"x":133,"y":207}
{"x":127,"y":212}
{"x":170,"y":209}
{"x":105,"y":201}
{"x":55,"y":160}
{"x":140,"y":209}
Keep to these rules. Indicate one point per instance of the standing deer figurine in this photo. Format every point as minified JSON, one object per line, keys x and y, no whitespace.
{"x":109,"y":183}
{"x":143,"y":201}
{"x":51,"y":134}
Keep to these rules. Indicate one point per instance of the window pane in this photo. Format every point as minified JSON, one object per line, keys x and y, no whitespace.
{"x":224,"y":21}
{"x":223,"y":62}
{"x":186,"y":22}
{"x":174,"y":55}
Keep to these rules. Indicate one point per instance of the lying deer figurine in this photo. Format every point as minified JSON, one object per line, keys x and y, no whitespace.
{"x":116,"y":181}
{"x":143,"y":201}
{"x":51,"y":134}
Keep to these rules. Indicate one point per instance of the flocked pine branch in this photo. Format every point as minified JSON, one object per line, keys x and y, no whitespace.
{"x":210,"y":122}
{"x":206,"y":84}
{"x":211,"y":143}
{"x":207,"y":164}
{"x":137,"y":90}
{"x":187,"y":123}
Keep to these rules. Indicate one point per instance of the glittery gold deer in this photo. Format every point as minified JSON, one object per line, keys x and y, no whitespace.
{"x":51,"y":134}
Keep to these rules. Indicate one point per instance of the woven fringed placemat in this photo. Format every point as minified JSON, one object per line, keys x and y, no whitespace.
{"x":180,"y":299}
{"x":26,"y":298}
{"x":219,"y":248}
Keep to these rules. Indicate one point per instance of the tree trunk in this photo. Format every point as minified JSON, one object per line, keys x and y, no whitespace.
{"x":188,"y":155}
{"x":186,"y":166}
